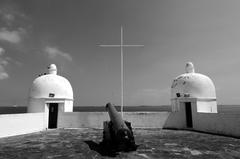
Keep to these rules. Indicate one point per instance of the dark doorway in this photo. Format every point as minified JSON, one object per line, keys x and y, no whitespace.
{"x":188,"y":110}
{"x":53,"y":114}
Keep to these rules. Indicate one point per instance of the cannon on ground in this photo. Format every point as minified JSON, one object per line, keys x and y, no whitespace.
{"x":117,"y":133}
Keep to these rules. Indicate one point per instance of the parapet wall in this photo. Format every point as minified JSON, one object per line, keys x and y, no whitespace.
{"x":225,"y":124}
{"x":218,"y":123}
{"x":17,"y":124}
{"x":95,"y":119}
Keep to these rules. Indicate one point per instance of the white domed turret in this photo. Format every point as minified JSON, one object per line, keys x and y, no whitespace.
{"x":194,"y":85}
{"x":48,"y":84}
{"x":50,"y":88}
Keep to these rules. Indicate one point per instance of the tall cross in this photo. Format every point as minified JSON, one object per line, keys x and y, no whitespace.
{"x":121,"y":48}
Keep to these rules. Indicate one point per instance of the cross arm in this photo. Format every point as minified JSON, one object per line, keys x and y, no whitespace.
{"x":121,"y":45}
{"x":133,"y":45}
{"x":109,"y":45}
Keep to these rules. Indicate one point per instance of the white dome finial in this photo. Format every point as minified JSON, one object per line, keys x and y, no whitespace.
{"x":189,"y":67}
{"x":52,"y":69}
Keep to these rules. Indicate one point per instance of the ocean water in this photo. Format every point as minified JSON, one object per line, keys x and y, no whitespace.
{"x":231,"y":109}
{"x":23,"y":109}
{"x":12,"y":110}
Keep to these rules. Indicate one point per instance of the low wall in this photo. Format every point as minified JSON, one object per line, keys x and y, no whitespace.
{"x":217,"y":123}
{"x":17,"y":124}
{"x":81,"y":119}
{"x":95,"y":119}
{"x":222,"y":123}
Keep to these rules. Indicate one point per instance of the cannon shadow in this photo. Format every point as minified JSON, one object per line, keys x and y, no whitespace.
{"x":104,"y":149}
{"x":101,"y":149}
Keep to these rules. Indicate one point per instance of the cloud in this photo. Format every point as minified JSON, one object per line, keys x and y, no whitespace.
{"x":11,"y":15}
{"x":54,"y":52}
{"x":6,"y":16}
{"x":13,"y":30}
{"x":1,"y":51}
{"x":3,"y":73}
{"x":3,"y":64}
{"x":14,"y":24}
{"x":14,"y":36}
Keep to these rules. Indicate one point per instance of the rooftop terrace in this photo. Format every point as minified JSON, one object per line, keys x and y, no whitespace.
{"x":153,"y":143}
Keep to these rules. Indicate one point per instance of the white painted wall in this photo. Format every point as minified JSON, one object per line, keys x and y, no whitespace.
{"x":226,"y":124}
{"x":177,"y":118}
{"x":146,"y":119}
{"x":207,"y":106}
{"x":81,"y":119}
{"x":17,"y":124}
{"x":68,"y":106}
{"x":95,"y":119}
{"x":38,"y":105}
{"x":219,"y":123}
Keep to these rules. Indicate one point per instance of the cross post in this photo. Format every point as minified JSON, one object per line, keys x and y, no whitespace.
{"x":122,"y":68}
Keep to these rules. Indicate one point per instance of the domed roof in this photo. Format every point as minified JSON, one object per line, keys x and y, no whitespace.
{"x":191,"y":84}
{"x":51,"y":85}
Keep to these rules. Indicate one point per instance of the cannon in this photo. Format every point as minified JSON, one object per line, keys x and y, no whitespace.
{"x":117,"y":133}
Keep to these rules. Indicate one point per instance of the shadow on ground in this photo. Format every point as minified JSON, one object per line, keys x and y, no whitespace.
{"x":101,"y":149}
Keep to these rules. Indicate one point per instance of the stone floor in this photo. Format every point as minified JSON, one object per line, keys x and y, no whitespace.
{"x":153,"y":143}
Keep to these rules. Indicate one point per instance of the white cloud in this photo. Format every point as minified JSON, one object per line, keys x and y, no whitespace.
{"x":13,"y":24}
{"x":14,"y":36}
{"x":12,"y":61}
{"x":3,"y":73}
{"x":9,"y":18}
{"x":54,"y":52}
{"x":3,"y":63}
{"x":1,"y":51}
{"x":12,"y":30}
{"x":11,"y":15}
{"x":6,"y":16}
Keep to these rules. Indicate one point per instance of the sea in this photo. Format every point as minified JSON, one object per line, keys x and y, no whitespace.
{"x":23,"y":109}
{"x":231,"y":109}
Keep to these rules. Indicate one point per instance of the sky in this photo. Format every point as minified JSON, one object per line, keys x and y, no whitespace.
{"x":36,"y":33}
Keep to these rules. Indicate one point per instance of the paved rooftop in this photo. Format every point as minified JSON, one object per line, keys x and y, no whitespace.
{"x":153,"y":143}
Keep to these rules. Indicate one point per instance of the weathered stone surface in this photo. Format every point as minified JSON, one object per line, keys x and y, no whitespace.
{"x":153,"y":143}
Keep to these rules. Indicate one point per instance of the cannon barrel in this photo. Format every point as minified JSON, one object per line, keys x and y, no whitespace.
{"x":115,"y":118}
{"x":118,"y":132}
